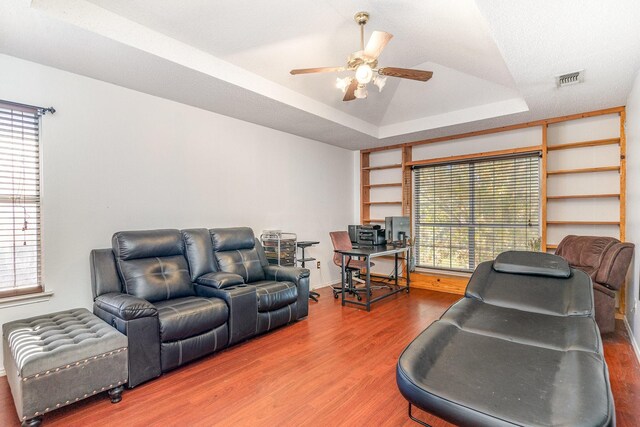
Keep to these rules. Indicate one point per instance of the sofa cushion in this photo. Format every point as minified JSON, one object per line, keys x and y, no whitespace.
{"x":199,"y":252}
{"x":229,"y":239}
{"x":274,"y":295}
{"x":146,"y":243}
{"x":243,"y":262}
{"x":157,"y":279}
{"x":182,"y":318}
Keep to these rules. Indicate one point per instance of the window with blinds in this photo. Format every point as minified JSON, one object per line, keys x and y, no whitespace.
{"x":19,"y":201}
{"x":467,"y":213}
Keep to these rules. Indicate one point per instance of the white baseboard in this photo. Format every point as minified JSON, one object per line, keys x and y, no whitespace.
{"x":324,"y":285}
{"x":2,"y":373}
{"x":632,"y":338}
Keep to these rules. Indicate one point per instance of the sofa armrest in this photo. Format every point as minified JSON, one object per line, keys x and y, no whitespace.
{"x":597,"y":287}
{"x":300,"y":277}
{"x":125,"y":307}
{"x":220,"y":280}
{"x":285,"y":274}
{"x":138,"y":320}
{"x":614,"y":265}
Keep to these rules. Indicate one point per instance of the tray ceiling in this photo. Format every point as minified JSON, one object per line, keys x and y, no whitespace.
{"x":493,"y":61}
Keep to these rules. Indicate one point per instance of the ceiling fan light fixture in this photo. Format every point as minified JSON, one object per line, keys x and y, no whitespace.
{"x":361,"y":92}
{"x":364,"y":64}
{"x":364,"y":74}
{"x":343,"y":83}
{"x":379,"y":81}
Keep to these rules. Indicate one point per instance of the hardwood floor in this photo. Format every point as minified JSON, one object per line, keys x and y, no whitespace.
{"x":337,"y":367}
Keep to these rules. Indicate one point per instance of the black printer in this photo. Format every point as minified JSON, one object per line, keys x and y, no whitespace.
{"x":370,"y":235}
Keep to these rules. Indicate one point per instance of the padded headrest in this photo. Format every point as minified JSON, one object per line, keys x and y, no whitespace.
{"x":230,"y":239}
{"x":146,"y":244}
{"x":534,"y":263}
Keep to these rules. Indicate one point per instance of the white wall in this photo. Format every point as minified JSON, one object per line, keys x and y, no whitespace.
{"x":633,"y":207}
{"x":115,"y":159}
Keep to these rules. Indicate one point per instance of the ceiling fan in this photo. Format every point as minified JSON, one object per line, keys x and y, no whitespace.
{"x":364,"y":63}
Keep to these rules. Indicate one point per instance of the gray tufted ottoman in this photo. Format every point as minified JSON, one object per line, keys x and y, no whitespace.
{"x":57,"y":359}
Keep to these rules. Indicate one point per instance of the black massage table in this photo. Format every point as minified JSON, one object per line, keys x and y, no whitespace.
{"x":521,"y":348}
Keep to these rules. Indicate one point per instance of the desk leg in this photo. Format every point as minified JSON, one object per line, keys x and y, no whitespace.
{"x":368,"y":283}
{"x":408,"y":260}
{"x":342,"y":284}
{"x":395,"y":268}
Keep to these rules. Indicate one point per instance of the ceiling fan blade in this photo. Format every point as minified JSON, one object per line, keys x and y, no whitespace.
{"x":376,"y":44}
{"x":349,"y":94}
{"x":317,"y":70}
{"x":406,"y":73}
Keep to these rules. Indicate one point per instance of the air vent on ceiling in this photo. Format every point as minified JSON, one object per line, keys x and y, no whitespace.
{"x":570,"y":78}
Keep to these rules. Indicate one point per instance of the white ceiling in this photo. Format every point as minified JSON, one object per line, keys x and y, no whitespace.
{"x":494,"y":61}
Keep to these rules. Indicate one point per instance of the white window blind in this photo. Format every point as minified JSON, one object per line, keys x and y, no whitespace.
{"x":19,"y":200}
{"x":466,"y":213}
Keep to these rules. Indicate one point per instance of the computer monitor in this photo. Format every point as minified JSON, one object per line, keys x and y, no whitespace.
{"x":398,"y":228}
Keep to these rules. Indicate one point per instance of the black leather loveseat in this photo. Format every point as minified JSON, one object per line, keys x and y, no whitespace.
{"x":522,"y":348}
{"x":180,"y":295}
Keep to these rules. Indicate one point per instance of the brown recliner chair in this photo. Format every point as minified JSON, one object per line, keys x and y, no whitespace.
{"x":607,"y":261}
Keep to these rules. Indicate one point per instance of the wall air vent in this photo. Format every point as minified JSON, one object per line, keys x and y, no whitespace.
{"x":570,"y":78}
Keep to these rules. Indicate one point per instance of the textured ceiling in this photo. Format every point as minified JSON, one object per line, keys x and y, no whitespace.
{"x":494,"y":61}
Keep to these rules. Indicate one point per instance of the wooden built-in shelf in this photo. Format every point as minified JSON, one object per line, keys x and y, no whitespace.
{"x":377,"y":168}
{"x":389,"y":184}
{"x":382,"y":203}
{"x":585,"y":196}
{"x":583,"y":223}
{"x":372,"y":220}
{"x":585,"y":170}
{"x":581,"y":144}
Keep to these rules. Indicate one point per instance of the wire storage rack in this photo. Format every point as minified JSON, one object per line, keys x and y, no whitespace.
{"x":280,"y":247}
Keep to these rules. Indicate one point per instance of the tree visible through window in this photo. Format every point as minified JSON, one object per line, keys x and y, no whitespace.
{"x":19,"y":200}
{"x":466,"y":213}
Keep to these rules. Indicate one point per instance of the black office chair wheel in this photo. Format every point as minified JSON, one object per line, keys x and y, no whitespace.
{"x":407,"y":290}
{"x":359,"y":297}
{"x":335,"y":295}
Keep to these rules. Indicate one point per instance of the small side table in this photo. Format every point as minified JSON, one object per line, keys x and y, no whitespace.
{"x":303,"y":245}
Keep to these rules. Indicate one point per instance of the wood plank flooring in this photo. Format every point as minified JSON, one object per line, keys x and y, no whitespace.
{"x":337,"y":367}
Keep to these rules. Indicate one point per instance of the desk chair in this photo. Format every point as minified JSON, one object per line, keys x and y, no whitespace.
{"x":341,"y":241}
